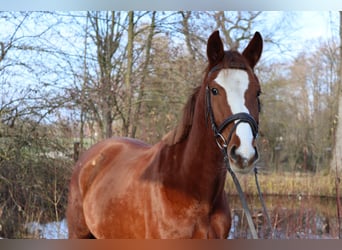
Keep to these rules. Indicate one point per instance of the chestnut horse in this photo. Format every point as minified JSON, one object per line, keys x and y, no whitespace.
{"x":125,"y":188}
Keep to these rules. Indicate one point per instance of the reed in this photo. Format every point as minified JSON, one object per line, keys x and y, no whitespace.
{"x":287,"y":184}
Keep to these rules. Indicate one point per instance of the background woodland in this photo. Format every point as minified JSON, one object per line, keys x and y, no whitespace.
{"x":70,"y":79}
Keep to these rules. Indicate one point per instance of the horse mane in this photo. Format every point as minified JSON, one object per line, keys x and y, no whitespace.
{"x":231,"y":59}
{"x":182,"y":130}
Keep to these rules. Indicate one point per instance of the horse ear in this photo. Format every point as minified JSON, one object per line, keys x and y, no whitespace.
{"x":215,"y":50}
{"x":253,"y":50}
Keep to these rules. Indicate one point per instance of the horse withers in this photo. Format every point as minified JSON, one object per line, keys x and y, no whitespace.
{"x":125,"y":188}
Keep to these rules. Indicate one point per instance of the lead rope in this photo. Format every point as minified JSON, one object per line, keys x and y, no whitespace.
{"x":222,"y":144}
{"x":244,"y":202}
{"x":242,"y":197}
{"x":270,"y":228}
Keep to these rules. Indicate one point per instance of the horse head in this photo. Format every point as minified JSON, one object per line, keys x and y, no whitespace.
{"x":233,"y":106}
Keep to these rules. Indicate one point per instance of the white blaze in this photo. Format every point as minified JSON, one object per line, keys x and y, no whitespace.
{"x":235,"y":82}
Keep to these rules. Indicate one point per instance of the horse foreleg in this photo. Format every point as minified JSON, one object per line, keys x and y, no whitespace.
{"x":220,"y":219}
{"x":77,"y":227}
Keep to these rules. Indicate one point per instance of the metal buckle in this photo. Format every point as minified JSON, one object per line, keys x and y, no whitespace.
{"x":221,"y":141}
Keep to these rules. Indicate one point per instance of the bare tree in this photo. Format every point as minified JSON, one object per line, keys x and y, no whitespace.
{"x":145,"y":74}
{"x":128,"y":74}
{"x":336,"y":163}
{"x":112,"y":97}
{"x":236,"y":26}
{"x":98,"y":94}
{"x":34,"y":159}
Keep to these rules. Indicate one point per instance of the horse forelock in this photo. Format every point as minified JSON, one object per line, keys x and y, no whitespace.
{"x":231,"y":59}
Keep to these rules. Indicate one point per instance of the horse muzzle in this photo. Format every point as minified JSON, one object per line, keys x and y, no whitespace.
{"x":242,"y":163}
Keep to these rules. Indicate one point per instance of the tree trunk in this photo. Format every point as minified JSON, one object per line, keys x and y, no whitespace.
{"x":85,"y":80}
{"x":145,"y":74}
{"x":128,"y":75}
{"x":186,"y":15}
{"x":336,"y":163}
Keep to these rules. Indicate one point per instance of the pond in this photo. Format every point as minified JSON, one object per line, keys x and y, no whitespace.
{"x":291,"y":217}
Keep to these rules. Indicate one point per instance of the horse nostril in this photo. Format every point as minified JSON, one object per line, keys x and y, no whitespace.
{"x":245,"y":161}
{"x":233,"y":154}
{"x":256,"y":156}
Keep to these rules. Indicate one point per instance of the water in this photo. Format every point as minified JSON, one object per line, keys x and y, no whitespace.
{"x":292,"y":218}
{"x":52,"y":230}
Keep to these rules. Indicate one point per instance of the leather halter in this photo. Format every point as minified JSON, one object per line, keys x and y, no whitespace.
{"x":237,"y":118}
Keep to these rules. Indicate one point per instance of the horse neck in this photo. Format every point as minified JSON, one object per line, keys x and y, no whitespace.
{"x":198,"y":163}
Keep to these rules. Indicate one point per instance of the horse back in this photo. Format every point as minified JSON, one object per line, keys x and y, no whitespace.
{"x":103,"y":157}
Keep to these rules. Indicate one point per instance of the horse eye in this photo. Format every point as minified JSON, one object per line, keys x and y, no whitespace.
{"x":214,"y":91}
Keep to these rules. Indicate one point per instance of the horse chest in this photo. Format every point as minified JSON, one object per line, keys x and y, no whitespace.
{"x":194,"y":221}
{"x":179,"y":216}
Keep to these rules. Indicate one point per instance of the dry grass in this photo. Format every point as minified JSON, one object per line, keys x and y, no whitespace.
{"x":288,"y":184}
